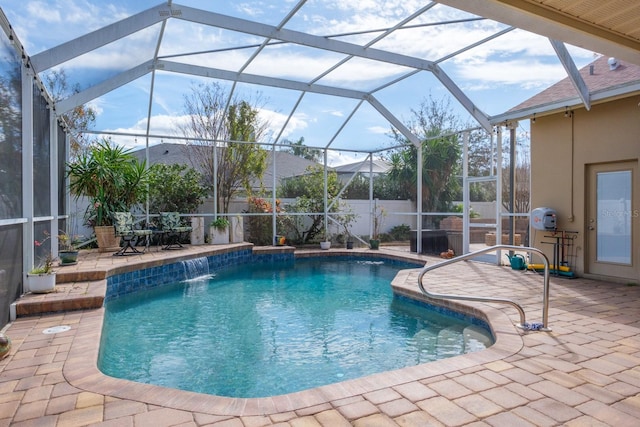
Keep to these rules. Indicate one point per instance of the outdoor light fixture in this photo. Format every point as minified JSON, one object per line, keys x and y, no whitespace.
{"x":534,"y":118}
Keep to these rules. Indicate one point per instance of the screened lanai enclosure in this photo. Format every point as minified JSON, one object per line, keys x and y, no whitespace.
{"x":343,"y":78}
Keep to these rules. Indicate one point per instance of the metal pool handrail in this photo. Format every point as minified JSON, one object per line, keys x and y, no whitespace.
{"x":523,"y":324}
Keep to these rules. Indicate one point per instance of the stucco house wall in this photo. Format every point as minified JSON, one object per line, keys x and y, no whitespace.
{"x":562,"y":148}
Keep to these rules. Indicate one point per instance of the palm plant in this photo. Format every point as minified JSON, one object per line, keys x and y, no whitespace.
{"x":111,"y":177}
{"x":441,"y":155}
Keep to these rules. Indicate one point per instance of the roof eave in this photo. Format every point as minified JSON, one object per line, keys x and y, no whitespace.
{"x":597,"y":97}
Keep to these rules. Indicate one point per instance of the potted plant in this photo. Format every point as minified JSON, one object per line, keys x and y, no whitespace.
{"x":219,"y":231}
{"x":42,"y":278}
{"x":378,"y":219}
{"x":67,"y":252}
{"x":349,"y":243}
{"x":345,"y":221}
{"x":326,"y":243}
{"x":113,"y":180}
{"x":5,"y":345}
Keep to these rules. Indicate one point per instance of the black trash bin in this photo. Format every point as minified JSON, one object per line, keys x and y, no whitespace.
{"x":433,"y":241}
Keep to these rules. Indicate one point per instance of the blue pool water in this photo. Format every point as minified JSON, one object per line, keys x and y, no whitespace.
{"x":269,"y":329}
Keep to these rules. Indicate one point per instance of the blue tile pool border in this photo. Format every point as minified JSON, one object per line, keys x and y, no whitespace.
{"x":153,"y":277}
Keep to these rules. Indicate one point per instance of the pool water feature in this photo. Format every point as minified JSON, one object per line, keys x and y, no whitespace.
{"x":269,"y":329}
{"x":196,"y":268}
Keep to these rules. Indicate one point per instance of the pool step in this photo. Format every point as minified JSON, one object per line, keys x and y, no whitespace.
{"x":68,"y":296}
{"x":475,"y":339}
{"x":450,"y":342}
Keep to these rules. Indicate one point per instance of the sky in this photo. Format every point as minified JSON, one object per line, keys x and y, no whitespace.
{"x":495,"y":75}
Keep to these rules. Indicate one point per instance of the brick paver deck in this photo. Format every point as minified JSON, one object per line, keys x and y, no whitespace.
{"x":585,"y":372}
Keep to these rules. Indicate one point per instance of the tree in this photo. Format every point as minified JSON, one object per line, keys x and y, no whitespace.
{"x":231,"y":132}
{"x":310,"y":198}
{"x":79,"y":119}
{"x":298,"y":148}
{"x":522,"y":189}
{"x":175,"y":188}
{"x":441,"y":155}
{"x":481,"y":163}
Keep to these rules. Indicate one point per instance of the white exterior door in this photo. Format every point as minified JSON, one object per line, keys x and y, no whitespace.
{"x":612,"y":220}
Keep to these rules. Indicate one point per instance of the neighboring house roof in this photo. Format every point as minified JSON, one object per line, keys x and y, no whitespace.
{"x":287,"y":164}
{"x":602,"y":80}
{"x":379,"y":166}
{"x":166,"y":153}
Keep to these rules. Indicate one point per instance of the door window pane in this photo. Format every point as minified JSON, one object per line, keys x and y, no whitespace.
{"x":615,"y":215}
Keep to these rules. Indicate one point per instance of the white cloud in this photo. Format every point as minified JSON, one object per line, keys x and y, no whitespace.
{"x":335,"y":113}
{"x":526,"y":73}
{"x":43,"y":24}
{"x":380,"y":130}
{"x":43,"y":11}
{"x":297,"y":123}
{"x":336,"y":158}
{"x":96,"y":106}
{"x":133,"y":136}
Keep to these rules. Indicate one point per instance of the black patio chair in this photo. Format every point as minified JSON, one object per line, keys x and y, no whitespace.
{"x":125,"y":229}
{"x":173,"y":229}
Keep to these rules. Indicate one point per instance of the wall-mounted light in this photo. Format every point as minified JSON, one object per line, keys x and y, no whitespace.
{"x":533,"y":120}
{"x":566,"y":111}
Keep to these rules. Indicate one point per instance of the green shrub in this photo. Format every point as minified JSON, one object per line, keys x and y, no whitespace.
{"x":175,"y":188}
{"x":400,"y":233}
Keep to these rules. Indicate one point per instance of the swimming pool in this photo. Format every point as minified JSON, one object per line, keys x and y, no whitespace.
{"x":253,"y":331}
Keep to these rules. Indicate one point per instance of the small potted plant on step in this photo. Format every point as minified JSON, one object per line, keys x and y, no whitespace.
{"x":42,"y":278}
{"x":67,"y":252}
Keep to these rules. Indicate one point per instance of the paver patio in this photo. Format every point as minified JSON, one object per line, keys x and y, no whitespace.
{"x":585,"y":372}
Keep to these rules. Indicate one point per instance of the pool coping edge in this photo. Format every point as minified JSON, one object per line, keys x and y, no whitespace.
{"x":81,"y":371}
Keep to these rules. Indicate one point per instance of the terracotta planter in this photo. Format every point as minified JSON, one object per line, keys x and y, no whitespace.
{"x":41,"y":283}
{"x":106,"y":238}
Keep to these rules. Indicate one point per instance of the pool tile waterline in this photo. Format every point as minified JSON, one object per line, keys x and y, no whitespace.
{"x":152,"y":277}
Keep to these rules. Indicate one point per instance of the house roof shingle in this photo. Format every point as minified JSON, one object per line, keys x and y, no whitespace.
{"x":597,"y":76}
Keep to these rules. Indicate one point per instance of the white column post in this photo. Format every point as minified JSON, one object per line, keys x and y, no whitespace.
{"x":27,"y":172}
